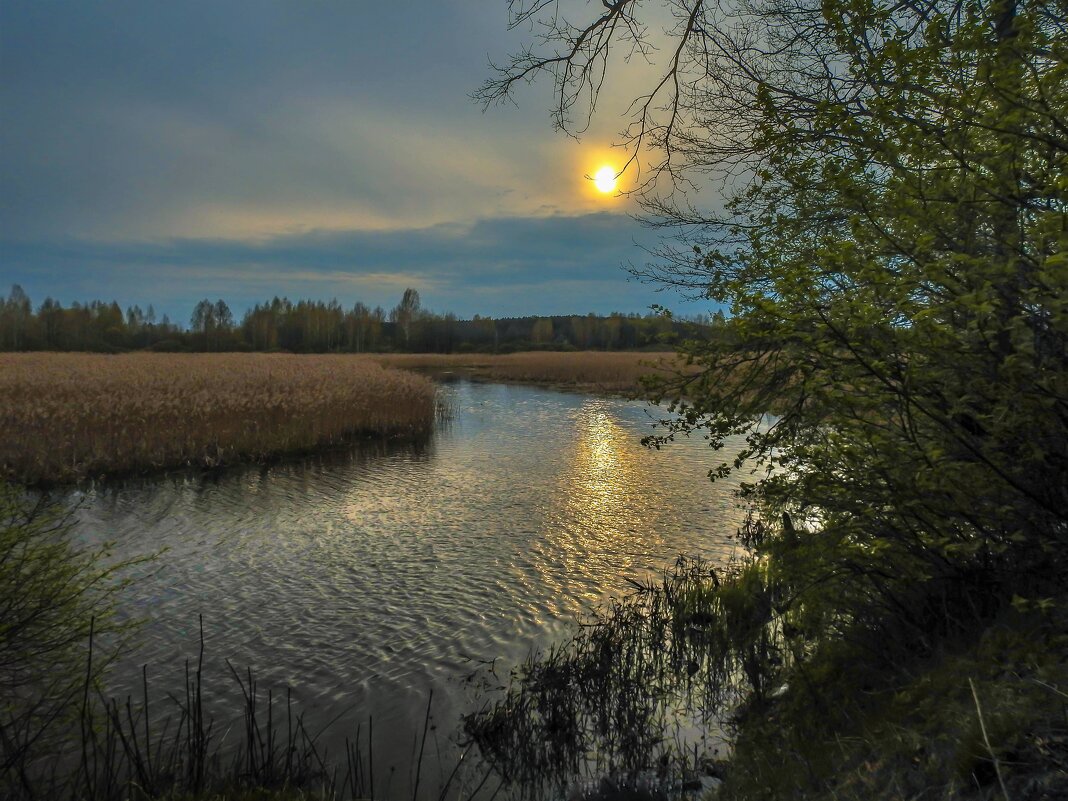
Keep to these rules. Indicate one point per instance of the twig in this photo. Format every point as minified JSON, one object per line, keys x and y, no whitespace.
{"x":1050,"y":687}
{"x":422,"y":746}
{"x":982,"y":728}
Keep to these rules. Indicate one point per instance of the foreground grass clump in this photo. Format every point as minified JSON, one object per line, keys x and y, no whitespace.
{"x":71,"y":416}
{"x":176,"y":749}
{"x":604,"y":703}
{"x":596,"y":371}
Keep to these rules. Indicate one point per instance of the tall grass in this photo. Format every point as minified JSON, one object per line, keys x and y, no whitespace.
{"x":599,"y":371}
{"x":71,"y":416}
{"x":132,"y":750}
{"x":636,"y":695}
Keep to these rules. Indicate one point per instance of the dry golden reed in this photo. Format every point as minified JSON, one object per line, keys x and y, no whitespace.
{"x":597,"y":371}
{"x":67,"y":416}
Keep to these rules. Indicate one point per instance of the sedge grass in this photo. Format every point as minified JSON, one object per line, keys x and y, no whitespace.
{"x":67,"y":416}
{"x":596,"y":371}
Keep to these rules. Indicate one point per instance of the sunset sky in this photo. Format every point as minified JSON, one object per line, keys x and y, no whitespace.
{"x":165,"y":152}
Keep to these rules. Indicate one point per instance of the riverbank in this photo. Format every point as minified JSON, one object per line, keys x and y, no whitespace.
{"x":596,"y":372}
{"x":68,"y":417}
{"x":974,"y":713}
{"x":986,"y":717}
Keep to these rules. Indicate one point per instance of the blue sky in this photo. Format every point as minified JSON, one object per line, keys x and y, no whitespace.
{"x":164,"y":152}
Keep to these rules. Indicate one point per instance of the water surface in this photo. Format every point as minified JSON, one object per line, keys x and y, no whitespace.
{"x":365,"y":579}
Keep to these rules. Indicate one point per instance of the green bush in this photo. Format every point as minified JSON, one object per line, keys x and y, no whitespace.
{"x":54,"y":597}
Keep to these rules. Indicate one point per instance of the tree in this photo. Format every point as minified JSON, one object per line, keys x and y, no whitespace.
{"x":109,"y":325}
{"x":16,"y":313}
{"x":203,"y":317}
{"x":50,"y":315}
{"x":213,"y":321}
{"x":223,"y":317}
{"x":894,"y":253}
{"x":542,"y":332}
{"x":405,"y":313}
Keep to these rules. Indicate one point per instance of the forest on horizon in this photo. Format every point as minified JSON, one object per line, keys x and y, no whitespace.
{"x":315,"y":326}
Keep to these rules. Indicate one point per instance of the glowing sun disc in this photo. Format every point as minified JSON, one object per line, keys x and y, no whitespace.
{"x":605,"y":179}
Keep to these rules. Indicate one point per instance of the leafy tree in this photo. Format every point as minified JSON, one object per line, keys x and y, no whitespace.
{"x":203,"y":317}
{"x":50,"y":315}
{"x":894,"y":253}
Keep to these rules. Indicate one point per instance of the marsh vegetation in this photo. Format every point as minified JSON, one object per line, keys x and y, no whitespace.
{"x":588,"y":371}
{"x":72,"y":416}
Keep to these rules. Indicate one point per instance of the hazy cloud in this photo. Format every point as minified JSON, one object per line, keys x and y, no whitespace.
{"x":505,"y":266}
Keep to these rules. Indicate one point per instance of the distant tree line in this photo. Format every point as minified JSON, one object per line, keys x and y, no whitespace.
{"x":307,"y":326}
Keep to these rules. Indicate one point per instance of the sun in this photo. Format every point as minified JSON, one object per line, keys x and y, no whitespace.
{"x":605,"y":179}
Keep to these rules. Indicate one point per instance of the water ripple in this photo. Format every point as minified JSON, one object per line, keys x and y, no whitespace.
{"x":367,"y":578}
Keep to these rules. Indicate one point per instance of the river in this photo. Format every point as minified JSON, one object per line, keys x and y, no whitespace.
{"x":365,"y":579}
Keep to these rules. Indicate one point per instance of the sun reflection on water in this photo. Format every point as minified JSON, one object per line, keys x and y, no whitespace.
{"x":601,"y":473}
{"x":601,"y":528}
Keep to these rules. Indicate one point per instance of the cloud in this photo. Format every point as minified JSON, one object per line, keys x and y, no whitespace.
{"x":497,"y":266}
{"x":256,"y":117}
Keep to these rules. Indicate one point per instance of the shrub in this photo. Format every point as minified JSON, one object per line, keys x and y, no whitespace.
{"x":54,"y":595}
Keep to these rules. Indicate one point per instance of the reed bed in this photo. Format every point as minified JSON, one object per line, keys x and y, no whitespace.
{"x":596,"y":371}
{"x":66,"y":416}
